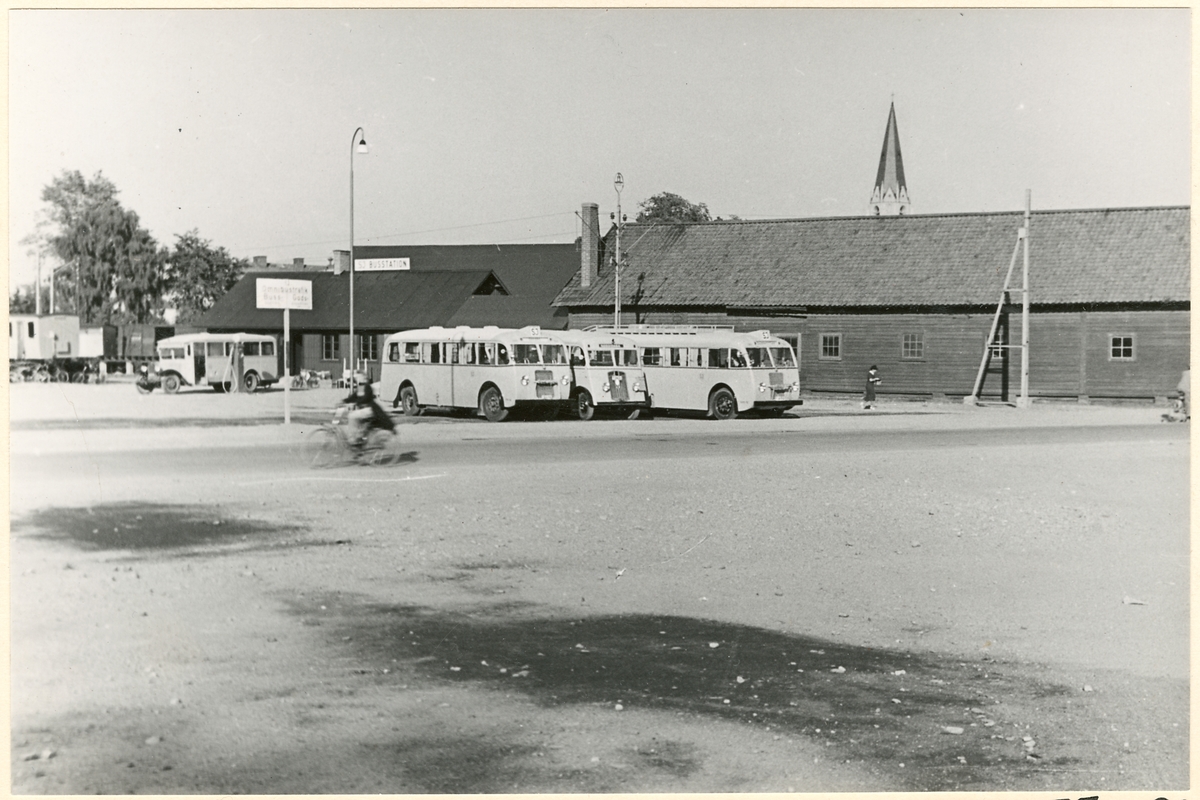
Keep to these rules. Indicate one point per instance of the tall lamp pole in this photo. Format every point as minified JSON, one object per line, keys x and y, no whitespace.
{"x":619,"y":184}
{"x":358,"y":142}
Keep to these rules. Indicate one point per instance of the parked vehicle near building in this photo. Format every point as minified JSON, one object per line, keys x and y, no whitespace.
{"x":714,"y":370}
{"x":606,"y":374}
{"x":217,"y":360}
{"x":489,"y":370}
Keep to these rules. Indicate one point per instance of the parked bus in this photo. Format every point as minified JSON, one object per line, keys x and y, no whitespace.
{"x":491,"y":370}
{"x":714,"y":370}
{"x":196,"y":359}
{"x":605,"y":373}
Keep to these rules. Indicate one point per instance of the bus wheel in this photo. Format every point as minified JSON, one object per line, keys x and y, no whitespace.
{"x":251,"y":382}
{"x":408,"y":402}
{"x":491,"y":405}
{"x":583,"y":405}
{"x":170,"y":384}
{"x":722,"y":405}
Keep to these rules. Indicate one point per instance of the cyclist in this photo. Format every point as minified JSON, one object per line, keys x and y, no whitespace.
{"x":365,"y":413}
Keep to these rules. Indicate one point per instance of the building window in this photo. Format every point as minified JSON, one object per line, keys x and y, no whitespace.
{"x":912,"y":345}
{"x":831,"y":346}
{"x":1121,"y":347}
{"x":368,"y":348}
{"x":331,"y":347}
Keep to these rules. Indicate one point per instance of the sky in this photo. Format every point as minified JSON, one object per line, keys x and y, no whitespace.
{"x":495,"y":126}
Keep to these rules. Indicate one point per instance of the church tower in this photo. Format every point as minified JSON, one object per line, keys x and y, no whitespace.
{"x":890,"y":197}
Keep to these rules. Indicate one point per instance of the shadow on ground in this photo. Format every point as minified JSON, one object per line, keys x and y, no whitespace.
{"x":146,"y":526}
{"x":939,"y":724}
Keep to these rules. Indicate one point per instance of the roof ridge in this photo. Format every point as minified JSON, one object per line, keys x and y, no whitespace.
{"x":782,"y":220}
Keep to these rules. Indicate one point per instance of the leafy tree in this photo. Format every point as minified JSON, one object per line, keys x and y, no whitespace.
{"x":22,"y":301}
{"x":199,"y":274}
{"x":668,"y":207}
{"x":116,"y":266}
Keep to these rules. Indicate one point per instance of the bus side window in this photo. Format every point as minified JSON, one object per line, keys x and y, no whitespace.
{"x":250,"y":349}
{"x":215,"y":350}
{"x":736,"y":359}
{"x":487,"y":353}
{"x":393,"y":352}
{"x":676,"y":356}
{"x":268,"y":348}
{"x":577,"y":357}
{"x":694,"y":355}
{"x":412,"y":352}
{"x":651,"y":357}
{"x":468,"y":353}
{"x":501,"y":354}
{"x":718,"y":357}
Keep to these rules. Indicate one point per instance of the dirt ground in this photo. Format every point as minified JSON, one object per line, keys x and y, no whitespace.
{"x":1012,"y":615}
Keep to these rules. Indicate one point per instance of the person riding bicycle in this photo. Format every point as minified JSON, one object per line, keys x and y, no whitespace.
{"x":365,"y":413}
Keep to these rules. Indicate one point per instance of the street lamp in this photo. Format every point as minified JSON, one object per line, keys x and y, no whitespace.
{"x":359,"y":138}
{"x":619,"y":184}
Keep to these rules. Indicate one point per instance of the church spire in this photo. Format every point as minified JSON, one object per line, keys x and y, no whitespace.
{"x":890,"y":197}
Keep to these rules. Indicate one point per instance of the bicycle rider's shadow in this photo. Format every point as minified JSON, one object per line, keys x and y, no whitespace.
{"x":410,"y":457}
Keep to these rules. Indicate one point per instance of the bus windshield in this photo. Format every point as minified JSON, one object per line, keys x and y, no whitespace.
{"x":783,"y":356}
{"x":600,"y":358}
{"x":759,"y":357}
{"x":525,"y":354}
{"x":554,"y":354}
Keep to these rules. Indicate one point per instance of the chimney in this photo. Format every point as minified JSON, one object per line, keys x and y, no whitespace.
{"x":297,"y":263}
{"x":589,"y":253}
{"x":341,"y":261}
{"x":260,"y":262}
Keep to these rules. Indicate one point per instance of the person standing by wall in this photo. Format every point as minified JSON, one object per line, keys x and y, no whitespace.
{"x":873,"y":380}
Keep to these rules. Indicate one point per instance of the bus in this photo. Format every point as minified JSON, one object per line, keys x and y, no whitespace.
{"x":490,"y":370}
{"x":196,"y":359}
{"x":605,"y":374}
{"x":714,"y":370}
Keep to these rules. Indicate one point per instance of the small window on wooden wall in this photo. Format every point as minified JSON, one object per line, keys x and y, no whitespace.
{"x":1122,"y":347}
{"x":831,"y":347}
{"x":912,"y":346}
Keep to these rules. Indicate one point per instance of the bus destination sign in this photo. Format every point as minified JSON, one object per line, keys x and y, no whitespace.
{"x":282,"y":293}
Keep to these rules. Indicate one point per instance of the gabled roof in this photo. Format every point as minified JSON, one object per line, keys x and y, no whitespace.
{"x":439,"y":288}
{"x":1130,"y":255}
{"x":383,"y":301}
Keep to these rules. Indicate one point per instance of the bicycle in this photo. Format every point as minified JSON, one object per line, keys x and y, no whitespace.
{"x":330,"y":444}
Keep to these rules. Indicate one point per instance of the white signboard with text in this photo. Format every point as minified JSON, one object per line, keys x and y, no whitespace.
{"x":380,"y":264}
{"x":282,"y":293}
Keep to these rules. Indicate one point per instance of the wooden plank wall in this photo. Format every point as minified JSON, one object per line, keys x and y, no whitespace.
{"x":1069,"y":351}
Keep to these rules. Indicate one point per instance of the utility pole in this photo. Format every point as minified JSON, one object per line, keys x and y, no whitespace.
{"x":1023,"y":401}
{"x":619,"y":183}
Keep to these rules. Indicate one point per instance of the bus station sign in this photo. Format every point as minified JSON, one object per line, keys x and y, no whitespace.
{"x":380,"y":264}
{"x":282,"y":293}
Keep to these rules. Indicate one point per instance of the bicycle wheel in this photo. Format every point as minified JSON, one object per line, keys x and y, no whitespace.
{"x":378,"y":448}
{"x":322,"y":448}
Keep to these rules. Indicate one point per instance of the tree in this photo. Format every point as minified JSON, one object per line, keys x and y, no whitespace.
{"x":199,"y":275}
{"x":116,"y":266}
{"x":668,"y":207}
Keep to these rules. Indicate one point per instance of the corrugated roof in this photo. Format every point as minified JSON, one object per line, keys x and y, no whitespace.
{"x":1093,"y":256}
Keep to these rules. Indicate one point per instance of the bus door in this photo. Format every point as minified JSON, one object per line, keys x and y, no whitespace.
{"x":216,"y":361}
{"x":197,"y":361}
{"x":464,"y":379}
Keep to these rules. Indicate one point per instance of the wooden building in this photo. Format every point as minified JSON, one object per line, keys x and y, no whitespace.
{"x":402,"y":287}
{"x":915,"y":295}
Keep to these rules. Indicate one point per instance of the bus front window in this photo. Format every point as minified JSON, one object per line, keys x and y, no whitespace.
{"x":501,"y":354}
{"x":783,"y":356}
{"x":600,"y":358}
{"x":553,"y":354}
{"x":759,"y":357}
{"x":525,"y":353}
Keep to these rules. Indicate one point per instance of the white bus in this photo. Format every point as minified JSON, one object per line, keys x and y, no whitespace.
{"x":491,"y":370}
{"x":715,"y":370}
{"x":605,"y":373}
{"x":196,"y":359}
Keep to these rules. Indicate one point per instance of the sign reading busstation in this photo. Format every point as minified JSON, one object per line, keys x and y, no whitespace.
{"x":380,"y":264}
{"x":281,"y":293}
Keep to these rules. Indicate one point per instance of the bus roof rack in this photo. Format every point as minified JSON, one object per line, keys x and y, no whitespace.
{"x":647,"y":328}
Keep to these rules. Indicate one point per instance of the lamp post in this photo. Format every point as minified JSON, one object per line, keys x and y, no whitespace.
{"x":619,"y":184}
{"x":357,"y":142}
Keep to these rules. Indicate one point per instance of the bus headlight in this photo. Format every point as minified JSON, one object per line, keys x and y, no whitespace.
{"x":566,"y":380}
{"x":524,"y":380}
{"x":604,"y":388}
{"x":762,"y":387}
{"x":637,"y":387}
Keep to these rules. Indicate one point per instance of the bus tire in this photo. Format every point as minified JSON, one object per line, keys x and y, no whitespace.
{"x":251,"y":382}
{"x":722,"y":404}
{"x":585,"y":409}
{"x":170,"y":383}
{"x":491,"y":405}
{"x":408,"y":402}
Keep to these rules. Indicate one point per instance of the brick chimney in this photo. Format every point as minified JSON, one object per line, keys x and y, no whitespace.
{"x":341,"y":261}
{"x":297,"y":263}
{"x":260,"y":262}
{"x":589,"y":252}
